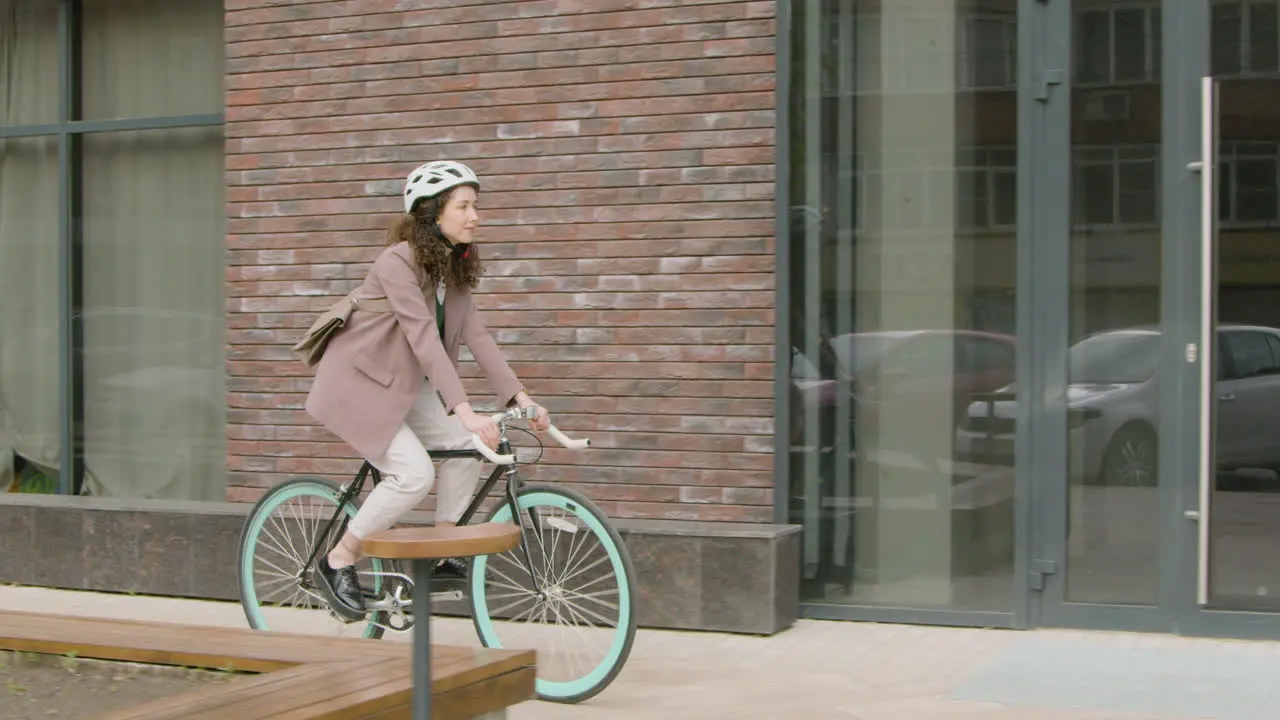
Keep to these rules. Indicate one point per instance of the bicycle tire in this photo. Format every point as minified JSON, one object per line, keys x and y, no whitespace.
{"x":322,"y":488}
{"x":623,"y":636}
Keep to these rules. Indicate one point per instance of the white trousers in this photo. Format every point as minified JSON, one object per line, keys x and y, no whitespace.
{"x":408,"y":472}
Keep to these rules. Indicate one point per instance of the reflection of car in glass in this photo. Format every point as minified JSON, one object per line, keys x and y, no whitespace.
{"x":931,"y":366}
{"x":901,"y":366}
{"x":1113,"y":405}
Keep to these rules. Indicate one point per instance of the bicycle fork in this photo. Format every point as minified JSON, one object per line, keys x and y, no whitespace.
{"x":514,"y":483}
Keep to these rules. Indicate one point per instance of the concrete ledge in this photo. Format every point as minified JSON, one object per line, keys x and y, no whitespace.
{"x":727,"y":577}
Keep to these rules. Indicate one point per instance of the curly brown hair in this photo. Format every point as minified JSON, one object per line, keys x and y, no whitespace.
{"x":432,"y":255}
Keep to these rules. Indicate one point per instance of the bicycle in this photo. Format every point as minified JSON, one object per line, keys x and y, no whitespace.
{"x":546,"y":514}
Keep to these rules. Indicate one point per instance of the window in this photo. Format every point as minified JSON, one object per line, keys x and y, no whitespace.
{"x":128,"y":188}
{"x":970,"y":189}
{"x":981,"y":49}
{"x":1250,"y":355}
{"x":1248,"y":183}
{"x":1118,"y":45}
{"x":1116,"y":185}
{"x":988,"y":189}
{"x":1274,"y":344}
{"x":1246,"y":37}
{"x":989,"y":55}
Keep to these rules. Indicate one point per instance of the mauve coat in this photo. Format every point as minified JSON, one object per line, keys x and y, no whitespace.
{"x":373,"y":369}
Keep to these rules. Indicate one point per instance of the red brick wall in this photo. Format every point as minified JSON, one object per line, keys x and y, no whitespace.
{"x":626,"y":149}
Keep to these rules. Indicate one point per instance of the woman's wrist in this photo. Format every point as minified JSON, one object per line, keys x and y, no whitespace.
{"x":523,"y":399}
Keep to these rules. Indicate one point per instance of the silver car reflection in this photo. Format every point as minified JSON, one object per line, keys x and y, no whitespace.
{"x":1113,"y":406}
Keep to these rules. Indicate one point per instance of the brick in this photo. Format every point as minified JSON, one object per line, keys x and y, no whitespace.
{"x":629,"y":282}
{"x":639,"y":353}
{"x":726,"y":39}
{"x":459,"y":109}
{"x":495,"y":204}
{"x":627,"y":153}
{"x":682,"y":511}
{"x":690,"y":238}
{"x":401,"y":96}
{"x":327,"y":18}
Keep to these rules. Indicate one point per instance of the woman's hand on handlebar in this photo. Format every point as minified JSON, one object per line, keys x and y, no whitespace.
{"x":482,"y":425}
{"x":543,"y":420}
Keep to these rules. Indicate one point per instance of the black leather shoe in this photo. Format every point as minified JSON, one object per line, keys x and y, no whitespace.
{"x":450,"y":569}
{"x":341,"y":588}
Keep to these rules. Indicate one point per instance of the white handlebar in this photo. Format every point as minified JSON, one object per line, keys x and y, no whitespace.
{"x":553,"y":431}
{"x":490,"y":455}
{"x":566,"y":441}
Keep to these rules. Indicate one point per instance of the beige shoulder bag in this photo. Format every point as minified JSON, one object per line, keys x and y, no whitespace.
{"x":313,"y":343}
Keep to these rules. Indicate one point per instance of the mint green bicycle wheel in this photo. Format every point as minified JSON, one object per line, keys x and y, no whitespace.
{"x":276,"y":592}
{"x":576,"y":608}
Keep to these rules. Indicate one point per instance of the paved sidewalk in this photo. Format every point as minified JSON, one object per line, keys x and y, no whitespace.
{"x":857,"y":671}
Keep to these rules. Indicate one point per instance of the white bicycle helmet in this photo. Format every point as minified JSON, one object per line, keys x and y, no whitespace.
{"x":431,"y":179}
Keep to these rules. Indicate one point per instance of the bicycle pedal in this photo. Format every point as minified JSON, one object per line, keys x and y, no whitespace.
{"x":345,"y":620}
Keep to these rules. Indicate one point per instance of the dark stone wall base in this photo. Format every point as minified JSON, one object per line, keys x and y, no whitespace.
{"x":725,"y":577}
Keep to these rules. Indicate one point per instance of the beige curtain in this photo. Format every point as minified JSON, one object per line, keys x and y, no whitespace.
{"x":28,"y":240}
{"x":154,"y":253}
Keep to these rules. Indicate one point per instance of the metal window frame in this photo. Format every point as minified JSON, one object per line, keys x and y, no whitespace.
{"x":69,"y":130}
{"x":782,"y":265}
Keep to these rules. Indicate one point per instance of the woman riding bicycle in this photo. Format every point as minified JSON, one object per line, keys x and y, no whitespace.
{"x":388,"y":384}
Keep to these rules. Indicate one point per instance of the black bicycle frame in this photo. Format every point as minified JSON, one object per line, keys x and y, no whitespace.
{"x":514,"y":484}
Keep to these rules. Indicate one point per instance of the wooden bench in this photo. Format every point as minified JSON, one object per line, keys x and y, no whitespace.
{"x":424,"y":546}
{"x":300,"y":676}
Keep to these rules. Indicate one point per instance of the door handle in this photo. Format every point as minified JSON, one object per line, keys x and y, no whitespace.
{"x":1227,"y":397}
{"x":1207,"y":166}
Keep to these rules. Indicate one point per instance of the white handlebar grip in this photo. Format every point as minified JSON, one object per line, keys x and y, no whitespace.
{"x":492,"y":456}
{"x":566,"y":441}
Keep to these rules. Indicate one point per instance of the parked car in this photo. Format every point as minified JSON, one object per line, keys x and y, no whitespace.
{"x":900,"y":367}
{"x":1113,"y":405}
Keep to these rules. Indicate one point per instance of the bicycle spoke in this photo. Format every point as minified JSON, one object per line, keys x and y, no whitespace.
{"x":577,"y":628}
{"x":277,"y":568}
{"x":575,"y":545}
{"x":592,"y":598}
{"x":275,"y":585}
{"x":603,"y":559}
{"x":597,"y":615}
{"x":270,"y":543}
{"x":508,"y":578}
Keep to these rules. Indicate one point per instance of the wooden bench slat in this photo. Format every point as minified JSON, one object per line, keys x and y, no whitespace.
{"x":175,"y":644}
{"x":394,"y":690}
{"x":337,"y":681}
{"x":180,"y":705}
{"x":394,"y":699}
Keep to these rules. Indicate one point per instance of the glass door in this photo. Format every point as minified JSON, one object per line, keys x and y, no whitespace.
{"x":1231,"y":502}
{"x":1102,"y":232}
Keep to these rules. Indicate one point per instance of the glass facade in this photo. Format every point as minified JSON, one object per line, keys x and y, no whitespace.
{"x":111,"y":234}
{"x":1029,"y":325}
{"x":902,"y":211}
